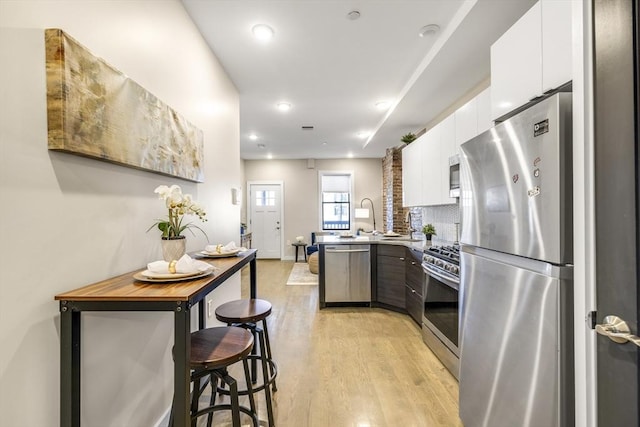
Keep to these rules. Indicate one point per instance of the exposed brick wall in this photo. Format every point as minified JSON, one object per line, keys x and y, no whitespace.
{"x":393,"y":214}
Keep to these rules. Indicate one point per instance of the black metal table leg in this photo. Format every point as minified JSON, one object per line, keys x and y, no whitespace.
{"x":252,"y":278}
{"x":181,"y":368}
{"x":202,"y":317}
{"x":69,"y":366}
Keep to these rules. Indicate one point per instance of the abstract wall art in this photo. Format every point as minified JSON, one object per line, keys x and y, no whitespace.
{"x":94,"y":110}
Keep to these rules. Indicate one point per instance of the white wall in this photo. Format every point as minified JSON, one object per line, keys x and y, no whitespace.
{"x":301,"y":207}
{"x":68,"y":221}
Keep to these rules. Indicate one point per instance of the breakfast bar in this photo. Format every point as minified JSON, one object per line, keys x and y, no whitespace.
{"x":124,"y":293}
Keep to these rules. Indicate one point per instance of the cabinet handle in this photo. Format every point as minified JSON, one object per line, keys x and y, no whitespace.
{"x":401,"y":259}
{"x":413,"y":291}
{"x":413,"y":263}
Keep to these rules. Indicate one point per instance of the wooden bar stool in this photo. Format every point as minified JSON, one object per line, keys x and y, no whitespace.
{"x":213,"y":350}
{"x":246,"y":313}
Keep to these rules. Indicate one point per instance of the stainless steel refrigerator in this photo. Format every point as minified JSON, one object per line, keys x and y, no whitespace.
{"x":516,"y":332}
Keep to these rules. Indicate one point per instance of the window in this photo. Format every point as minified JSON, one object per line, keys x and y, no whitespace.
{"x":265,"y":198}
{"x":336,"y":200}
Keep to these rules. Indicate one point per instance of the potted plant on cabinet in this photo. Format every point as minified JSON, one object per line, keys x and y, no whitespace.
{"x":408,"y":138}
{"x":429,"y":230}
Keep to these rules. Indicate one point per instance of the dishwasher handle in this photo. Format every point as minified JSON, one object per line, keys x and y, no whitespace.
{"x":345,"y":251}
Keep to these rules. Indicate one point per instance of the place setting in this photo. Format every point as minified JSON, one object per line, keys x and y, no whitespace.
{"x":221,"y":251}
{"x":185,"y":268}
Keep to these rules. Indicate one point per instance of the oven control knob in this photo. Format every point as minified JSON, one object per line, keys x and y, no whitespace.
{"x":439,"y":263}
{"x":454,"y":269}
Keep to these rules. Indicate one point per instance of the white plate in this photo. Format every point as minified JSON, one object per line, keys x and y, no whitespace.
{"x":217,"y":255}
{"x":154,"y":275}
{"x":391,"y":235}
{"x":177,"y":277}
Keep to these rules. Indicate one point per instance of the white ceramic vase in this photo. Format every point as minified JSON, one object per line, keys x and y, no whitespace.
{"x":173,"y":247}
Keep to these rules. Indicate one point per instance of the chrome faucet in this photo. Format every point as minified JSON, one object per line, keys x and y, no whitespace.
{"x":408,"y":221}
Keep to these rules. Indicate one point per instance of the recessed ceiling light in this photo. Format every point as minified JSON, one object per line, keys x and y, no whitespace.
{"x":429,"y":30}
{"x":283,"y":106}
{"x":253,"y":137}
{"x":350,"y":155}
{"x":324,"y":143}
{"x":383,"y":105}
{"x":353,"y":15}
{"x":262,"y":32}
{"x":269,"y":156}
{"x":363,"y":134}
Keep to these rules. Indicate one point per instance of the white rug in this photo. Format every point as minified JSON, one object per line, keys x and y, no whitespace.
{"x":300,"y":275}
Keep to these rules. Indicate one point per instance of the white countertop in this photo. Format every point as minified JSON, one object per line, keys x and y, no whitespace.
{"x":420,"y":245}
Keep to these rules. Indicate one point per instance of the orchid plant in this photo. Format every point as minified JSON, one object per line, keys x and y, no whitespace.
{"x":178,"y":205}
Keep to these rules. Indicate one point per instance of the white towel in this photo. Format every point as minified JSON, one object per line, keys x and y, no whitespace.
{"x":223,"y":249}
{"x":186,"y":264}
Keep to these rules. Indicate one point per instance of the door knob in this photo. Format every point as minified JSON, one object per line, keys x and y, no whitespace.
{"x":617,"y":330}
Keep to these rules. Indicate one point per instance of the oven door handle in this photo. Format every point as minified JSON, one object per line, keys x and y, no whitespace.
{"x":452,"y":283}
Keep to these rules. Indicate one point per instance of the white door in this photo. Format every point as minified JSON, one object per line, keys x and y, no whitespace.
{"x":265,"y":220}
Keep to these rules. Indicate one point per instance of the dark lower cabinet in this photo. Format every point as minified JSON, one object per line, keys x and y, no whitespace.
{"x":414,"y":279}
{"x":413,"y":303}
{"x":390,"y":276}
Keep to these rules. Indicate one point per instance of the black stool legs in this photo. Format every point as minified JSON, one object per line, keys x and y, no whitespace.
{"x":234,"y":393}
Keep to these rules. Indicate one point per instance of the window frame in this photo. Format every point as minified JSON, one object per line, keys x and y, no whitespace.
{"x":349,"y":203}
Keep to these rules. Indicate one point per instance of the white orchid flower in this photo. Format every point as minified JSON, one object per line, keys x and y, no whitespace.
{"x":178,"y":205}
{"x":162,"y":191}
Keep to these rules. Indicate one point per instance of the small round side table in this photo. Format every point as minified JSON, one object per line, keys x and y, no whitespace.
{"x":299,"y":245}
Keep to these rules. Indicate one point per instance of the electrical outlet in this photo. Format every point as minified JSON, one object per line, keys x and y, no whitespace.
{"x":209,"y":306}
{"x":288,"y":242}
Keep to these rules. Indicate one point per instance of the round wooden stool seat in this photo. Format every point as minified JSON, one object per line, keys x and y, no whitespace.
{"x":212,"y":351}
{"x":243,"y":311}
{"x":219,"y":347}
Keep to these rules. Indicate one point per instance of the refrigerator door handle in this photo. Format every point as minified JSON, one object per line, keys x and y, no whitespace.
{"x":617,"y":330}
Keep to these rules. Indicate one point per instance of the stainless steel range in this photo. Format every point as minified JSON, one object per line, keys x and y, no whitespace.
{"x":441,"y":265}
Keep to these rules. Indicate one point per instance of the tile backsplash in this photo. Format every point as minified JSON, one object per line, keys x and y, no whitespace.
{"x":444,"y":219}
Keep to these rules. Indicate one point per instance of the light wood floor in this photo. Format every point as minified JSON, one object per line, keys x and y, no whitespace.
{"x":344,"y":367}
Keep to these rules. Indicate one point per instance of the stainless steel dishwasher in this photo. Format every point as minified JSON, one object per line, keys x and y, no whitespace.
{"x":347,"y":273}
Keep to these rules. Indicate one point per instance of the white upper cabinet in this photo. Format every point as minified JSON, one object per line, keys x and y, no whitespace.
{"x":432,"y":167}
{"x":516,"y":64}
{"x":448,"y":148}
{"x":483,"y":106}
{"x":412,"y":173}
{"x":532,"y":57}
{"x":556,"y":43}
{"x":466,"y":122}
{"x":473,"y":118}
{"x":425,"y":162}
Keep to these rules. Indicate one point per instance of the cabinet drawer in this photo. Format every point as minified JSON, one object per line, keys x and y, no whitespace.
{"x":392,"y":250}
{"x":413,"y":304}
{"x":414,"y":276}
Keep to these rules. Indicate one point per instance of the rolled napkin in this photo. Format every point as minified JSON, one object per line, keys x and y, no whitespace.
{"x":186,"y":264}
{"x":223,"y":249}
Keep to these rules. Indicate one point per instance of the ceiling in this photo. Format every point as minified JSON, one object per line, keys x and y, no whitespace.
{"x":332,"y":70}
